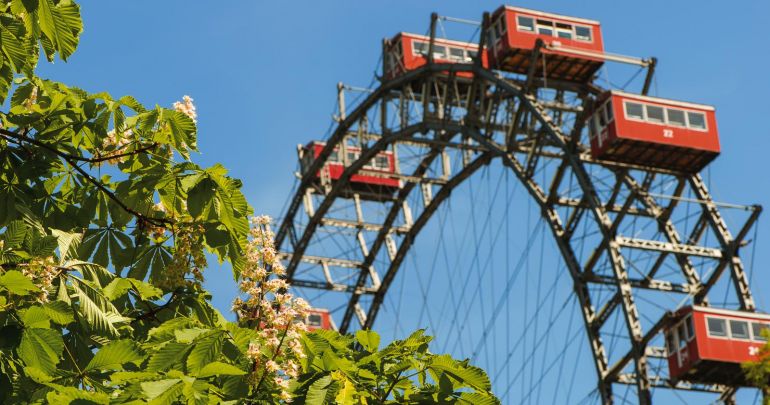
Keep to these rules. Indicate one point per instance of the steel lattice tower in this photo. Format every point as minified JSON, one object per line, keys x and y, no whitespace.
{"x":440,"y":117}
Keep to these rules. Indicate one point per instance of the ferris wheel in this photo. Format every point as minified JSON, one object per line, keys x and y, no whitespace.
{"x":640,"y":287}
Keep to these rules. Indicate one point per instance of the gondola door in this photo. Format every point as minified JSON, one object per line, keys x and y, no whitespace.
{"x":683,"y":349}
{"x":678,"y":339}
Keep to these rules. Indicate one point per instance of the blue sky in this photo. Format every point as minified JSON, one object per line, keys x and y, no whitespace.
{"x":263,"y":76}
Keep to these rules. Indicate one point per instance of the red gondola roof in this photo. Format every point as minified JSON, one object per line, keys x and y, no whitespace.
{"x":442,"y":40}
{"x":552,"y":15}
{"x":685,"y":104}
{"x":323,"y":143}
{"x":728,"y":312}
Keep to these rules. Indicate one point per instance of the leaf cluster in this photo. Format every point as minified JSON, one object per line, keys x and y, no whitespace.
{"x":93,"y":190}
{"x":53,"y":353}
{"x":59,"y":148}
{"x":757,"y":372}
{"x":99,"y":201}
{"x":353,"y":370}
{"x":26,"y":26}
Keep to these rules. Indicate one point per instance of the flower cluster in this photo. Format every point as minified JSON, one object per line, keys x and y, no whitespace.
{"x":187,"y":108}
{"x":156,"y":232}
{"x":277,"y":315}
{"x":31,"y":100}
{"x":114,"y":143}
{"x":42,"y":271}
{"x":188,"y":259}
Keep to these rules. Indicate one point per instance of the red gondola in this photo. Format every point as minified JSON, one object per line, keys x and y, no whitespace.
{"x":375,"y":181}
{"x":707,"y":345}
{"x":653,"y":132}
{"x":572,"y":49}
{"x":318,"y":318}
{"x":406,"y":52}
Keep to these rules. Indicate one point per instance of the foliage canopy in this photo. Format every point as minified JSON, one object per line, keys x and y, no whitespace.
{"x":105,"y":228}
{"x":758,"y":372}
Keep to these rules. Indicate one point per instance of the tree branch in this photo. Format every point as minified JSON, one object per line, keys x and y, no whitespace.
{"x":18,"y":138}
{"x":117,"y":155}
{"x":393,"y":385}
{"x":152,"y":312}
{"x":71,"y":159}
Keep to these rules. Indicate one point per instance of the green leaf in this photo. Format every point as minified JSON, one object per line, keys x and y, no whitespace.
{"x":68,"y":243}
{"x":196,"y":393}
{"x":37,"y":375}
{"x":167,"y":330}
{"x":132,"y":103}
{"x":13,"y":43}
{"x":369,"y":339}
{"x":321,"y":391}
{"x":120,"y":286}
{"x":41,"y":348}
{"x":146,"y":290}
{"x":40,"y":245}
{"x":188,"y":335}
{"x":14,"y":234}
{"x":331,"y":361}
{"x":470,"y":376}
{"x":218,"y":368}
{"x":228,"y":207}
{"x":6,"y":78}
{"x":120,"y":377}
{"x":100,"y":313}
{"x":234,"y":387}
{"x":117,"y":288}
{"x":346,"y":394}
{"x":416,"y":340}
{"x":216,"y":236}
{"x":62,"y":292}
{"x":182,"y":128}
{"x":17,"y":283}
{"x":201,"y":197}
{"x":106,"y":244}
{"x":72,"y":395}
{"x":114,"y":355}
{"x":93,"y":273}
{"x":35,"y":317}
{"x":168,"y":356}
{"x":202,"y":311}
{"x":206,"y":349}
{"x":154,"y":389}
{"x":59,"y":312}
{"x":476,"y":398}
{"x":61,"y":24}
{"x":154,"y":259}
{"x":241,"y":336}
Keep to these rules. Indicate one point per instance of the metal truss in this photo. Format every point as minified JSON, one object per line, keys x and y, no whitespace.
{"x":432,"y":117}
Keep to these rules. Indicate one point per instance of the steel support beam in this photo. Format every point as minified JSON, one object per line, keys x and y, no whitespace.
{"x":408,"y":239}
{"x":390,"y":219}
{"x":441,"y":95}
{"x":579,"y":285}
{"x":729,"y":245}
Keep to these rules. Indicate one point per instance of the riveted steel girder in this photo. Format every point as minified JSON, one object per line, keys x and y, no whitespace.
{"x":462,"y":115}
